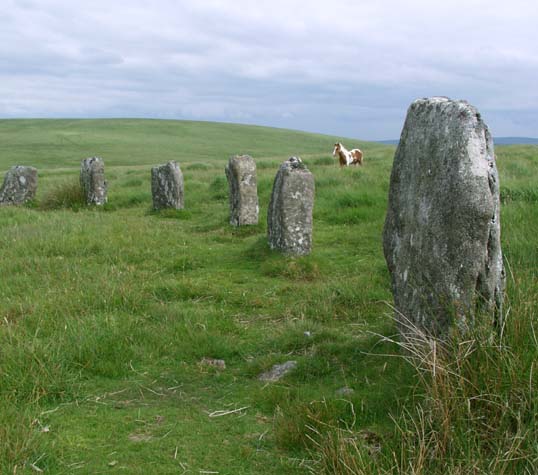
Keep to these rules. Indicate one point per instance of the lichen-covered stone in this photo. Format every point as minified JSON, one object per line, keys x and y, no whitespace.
{"x":167,"y":186}
{"x":289,"y":217}
{"x":442,"y":231}
{"x":92,"y":181}
{"x":241,"y":174}
{"x":278,"y":371}
{"x":20,"y":185}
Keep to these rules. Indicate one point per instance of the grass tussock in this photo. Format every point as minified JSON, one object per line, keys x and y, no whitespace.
{"x":68,"y":195}
{"x":475,"y":411}
{"x":302,"y":268}
{"x":172,"y":213}
{"x":218,"y":188}
{"x":529,"y":195}
{"x":296,"y":421}
{"x":18,"y":434}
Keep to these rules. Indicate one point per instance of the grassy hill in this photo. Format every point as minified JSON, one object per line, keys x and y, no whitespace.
{"x":62,"y":143}
{"x":106,"y":315}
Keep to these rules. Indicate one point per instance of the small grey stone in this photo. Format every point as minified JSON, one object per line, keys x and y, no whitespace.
{"x":243,"y":190}
{"x":167,"y":186}
{"x":20,"y":185}
{"x":345,"y":391}
{"x":442,"y":231}
{"x":278,"y":371}
{"x":289,"y":217}
{"x":92,"y":181}
{"x":220,"y":364}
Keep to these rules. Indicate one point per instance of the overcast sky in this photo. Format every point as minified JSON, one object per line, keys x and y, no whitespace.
{"x":349,"y":68}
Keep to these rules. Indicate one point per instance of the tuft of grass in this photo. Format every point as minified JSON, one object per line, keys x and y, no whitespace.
{"x":298,"y":268}
{"x":219,"y":188}
{"x":295,"y":421}
{"x":529,"y":195}
{"x":345,"y":452}
{"x":170,"y":213}
{"x":476,"y":408}
{"x":68,"y":195}
{"x":19,"y":435}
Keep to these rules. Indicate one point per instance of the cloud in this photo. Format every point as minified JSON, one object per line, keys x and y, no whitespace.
{"x":349,"y":68}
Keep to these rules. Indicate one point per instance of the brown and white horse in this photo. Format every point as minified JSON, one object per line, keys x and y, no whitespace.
{"x":347,"y":157}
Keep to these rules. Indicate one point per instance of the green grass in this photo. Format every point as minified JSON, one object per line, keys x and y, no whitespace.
{"x":52,"y":144}
{"x":107,"y":313}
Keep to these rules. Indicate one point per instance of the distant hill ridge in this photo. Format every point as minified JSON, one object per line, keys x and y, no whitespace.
{"x":63,"y":143}
{"x":497,"y":140}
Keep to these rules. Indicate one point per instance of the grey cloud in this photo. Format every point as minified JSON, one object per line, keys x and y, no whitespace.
{"x":351,"y":69}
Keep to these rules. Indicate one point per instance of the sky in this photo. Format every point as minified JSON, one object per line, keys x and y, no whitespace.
{"x":339,"y":67}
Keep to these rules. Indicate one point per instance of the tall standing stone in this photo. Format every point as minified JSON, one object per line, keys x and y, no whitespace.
{"x":289,"y":217}
{"x":167,"y":186}
{"x":241,"y":174}
{"x":20,"y":185}
{"x":442,"y":231}
{"x":92,"y":181}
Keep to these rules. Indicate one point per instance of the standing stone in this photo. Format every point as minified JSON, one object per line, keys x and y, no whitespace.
{"x":92,"y":181}
{"x":167,"y":186}
{"x":289,"y":217}
{"x":442,"y":231}
{"x":241,"y":174}
{"x":20,"y":185}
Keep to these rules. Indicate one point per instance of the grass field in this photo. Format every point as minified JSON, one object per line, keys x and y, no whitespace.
{"x":107,"y":314}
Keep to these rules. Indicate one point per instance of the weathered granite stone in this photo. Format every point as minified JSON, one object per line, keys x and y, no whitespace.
{"x":278,"y":371}
{"x":289,"y":217}
{"x":167,"y":186}
{"x":442,"y":231}
{"x":92,"y":181}
{"x":241,"y":174}
{"x":20,"y":185}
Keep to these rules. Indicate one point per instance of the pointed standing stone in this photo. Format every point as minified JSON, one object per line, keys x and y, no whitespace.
{"x":20,"y":185}
{"x":289,"y":217}
{"x":167,"y":186}
{"x":92,"y":181}
{"x":241,"y":174}
{"x":442,"y":231}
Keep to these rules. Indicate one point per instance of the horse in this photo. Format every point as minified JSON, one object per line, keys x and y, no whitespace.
{"x":347,"y":157}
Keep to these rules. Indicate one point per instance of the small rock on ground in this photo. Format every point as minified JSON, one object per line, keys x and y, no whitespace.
{"x":221,"y":364}
{"x":345,"y":391}
{"x":278,"y":371}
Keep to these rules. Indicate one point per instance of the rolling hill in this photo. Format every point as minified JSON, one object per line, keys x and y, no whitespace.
{"x":130,"y":142}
